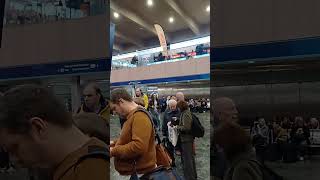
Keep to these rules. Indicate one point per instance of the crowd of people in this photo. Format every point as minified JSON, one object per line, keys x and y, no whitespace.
{"x":239,"y":153}
{"x":16,"y":16}
{"x":196,"y":105}
{"x":283,"y":138}
{"x":37,"y":15}
{"x":136,"y":113}
{"x":199,"y":105}
{"x":232,"y":155}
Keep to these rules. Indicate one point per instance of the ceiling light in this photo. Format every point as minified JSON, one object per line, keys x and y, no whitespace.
{"x":171,"y":19}
{"x":149,"y":2}
{"x":116,"y":15}
{"x":208,"y":8}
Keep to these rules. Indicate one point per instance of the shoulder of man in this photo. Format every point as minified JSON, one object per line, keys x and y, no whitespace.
{"x":94,"y":158}
{"x":252,"y":170}
{"x":142,"y":112}
{"x":93,"y":168}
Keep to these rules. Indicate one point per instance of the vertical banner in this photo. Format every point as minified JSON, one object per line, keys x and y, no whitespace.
{"x":2,"y":5}
{"x":162,"y":39}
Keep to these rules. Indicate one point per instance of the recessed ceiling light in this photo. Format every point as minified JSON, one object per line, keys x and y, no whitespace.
{"x":208,"y":8}
{"x":171,"y":19}
{"x":116,"y":15}
{"x":149,"y":2}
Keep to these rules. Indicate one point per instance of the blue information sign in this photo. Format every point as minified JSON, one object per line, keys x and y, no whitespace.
{"x":289,"y":49}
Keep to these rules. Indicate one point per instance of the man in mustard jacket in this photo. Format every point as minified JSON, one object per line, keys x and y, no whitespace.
{"x":134,"y":151}
{"x":145,"y":98}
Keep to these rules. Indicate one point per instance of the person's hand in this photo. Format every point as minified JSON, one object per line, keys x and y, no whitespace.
{"x":112,"y":144}
{"x":111,"y":149}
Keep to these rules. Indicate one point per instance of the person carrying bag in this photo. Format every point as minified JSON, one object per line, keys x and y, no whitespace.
{"x":163,"y":171}
{"x":136,"y":154}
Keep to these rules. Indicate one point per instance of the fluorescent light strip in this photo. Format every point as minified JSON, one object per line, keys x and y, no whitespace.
{"x":190,"y":43}
{"x":174,"y":46}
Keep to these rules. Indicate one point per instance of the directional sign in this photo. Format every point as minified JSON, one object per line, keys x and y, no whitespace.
{"x":75,"y":67}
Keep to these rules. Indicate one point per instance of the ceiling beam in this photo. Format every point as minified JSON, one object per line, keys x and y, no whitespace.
{"x":132,"y":41}
{"x":133,"y":17}
{"x":188,"y":20}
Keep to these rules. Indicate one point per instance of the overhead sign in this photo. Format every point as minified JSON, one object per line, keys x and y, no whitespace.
{"x":64,"y":68}
{"x":36,"y":70}
{"x":162,"y":39}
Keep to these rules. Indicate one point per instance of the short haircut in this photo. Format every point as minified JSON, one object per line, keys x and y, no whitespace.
{"x":183,"y":105}
{"x":97,"y":89}
{"x":139,"y":101}
{"x":118,"y":94}
{"x":172,"y":102}
{"x":93,"y":125}
{"x":21,"y":103}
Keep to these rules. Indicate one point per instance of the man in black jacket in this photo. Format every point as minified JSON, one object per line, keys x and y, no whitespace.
{"x":172,"y":114}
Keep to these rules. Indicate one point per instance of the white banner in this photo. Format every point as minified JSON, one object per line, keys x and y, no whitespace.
{"x":162,"y":39}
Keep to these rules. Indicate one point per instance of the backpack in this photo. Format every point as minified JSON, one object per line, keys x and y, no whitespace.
{"x":197,"y":130}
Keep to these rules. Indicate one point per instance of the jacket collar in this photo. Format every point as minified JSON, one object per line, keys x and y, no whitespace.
{"x":131,"y":113}
{"x":102,"y":108}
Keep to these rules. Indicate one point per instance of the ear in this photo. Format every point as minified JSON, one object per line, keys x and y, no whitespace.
{"x":38,"y":127}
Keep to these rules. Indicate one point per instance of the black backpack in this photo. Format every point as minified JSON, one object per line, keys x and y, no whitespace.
{"x":197,"y":129}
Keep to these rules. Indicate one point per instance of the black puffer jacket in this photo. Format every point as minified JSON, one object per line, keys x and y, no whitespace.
{"x":167,"y":117}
